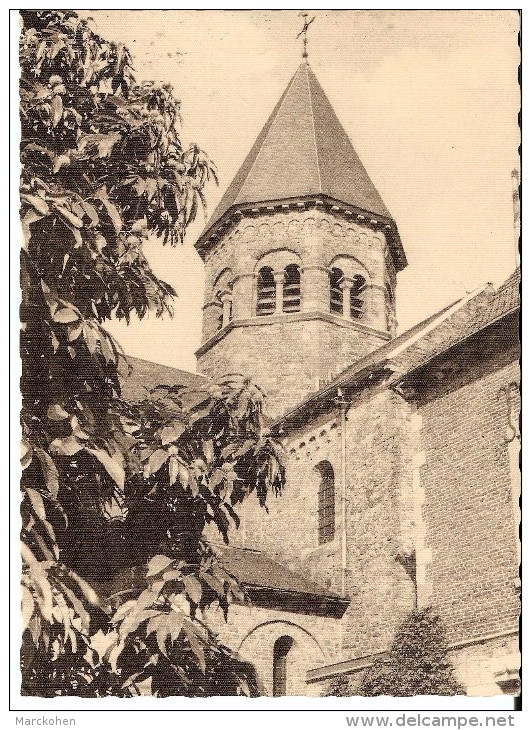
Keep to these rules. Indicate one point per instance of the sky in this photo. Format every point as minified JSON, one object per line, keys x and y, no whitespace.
{"x":429,"y":99}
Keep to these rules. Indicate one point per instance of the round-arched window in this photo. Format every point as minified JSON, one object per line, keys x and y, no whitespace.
{"x":281,"y":650}
{"x":336,"y":295}
{"x":326,"y":502}
{"x":356,"y":297}
{"x":265,"y":292}
{"x":291,"y":301}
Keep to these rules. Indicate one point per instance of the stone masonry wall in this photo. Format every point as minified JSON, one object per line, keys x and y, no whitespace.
{"x":379,"y":457}
{"x":252,"y":632}
{"x":379,"y":460}
{"x":289,"y":353}
{"x":287,"y":358}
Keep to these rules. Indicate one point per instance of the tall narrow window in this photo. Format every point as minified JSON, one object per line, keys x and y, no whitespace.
{"x":292,"y":289}
{"x":356,"y":297}
{"x":336,"y":295}
{"x":219,"y":310}
{"x":265,"y":298}
{"x":281,"y":650}
{"x":223,"y":300}
{"x":389,"y":310}
{"x":326,"y":502}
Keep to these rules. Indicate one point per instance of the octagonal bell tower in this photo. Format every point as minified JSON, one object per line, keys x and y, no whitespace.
{"x":301,"y":256}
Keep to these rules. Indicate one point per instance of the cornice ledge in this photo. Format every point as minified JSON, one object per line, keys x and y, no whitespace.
{"x":283,"y":318}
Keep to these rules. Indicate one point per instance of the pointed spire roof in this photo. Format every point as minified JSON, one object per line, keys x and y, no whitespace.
{"x":302,"y":152}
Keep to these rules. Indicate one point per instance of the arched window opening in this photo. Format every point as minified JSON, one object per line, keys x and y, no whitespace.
{"x":281,"y":650}
{"x":265,"y":299}
{"x":223,"y":300}
{"x":326,"y":497}
{"x":356,"y":297}
{"x":292,"y":289}
{"x":336,"y":295}
{"x":389,"y":307}
{"x":219,"y":310}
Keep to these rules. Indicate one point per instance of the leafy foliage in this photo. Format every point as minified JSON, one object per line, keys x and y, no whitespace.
{"x":116,"y":496}
{"x":417,"y":663}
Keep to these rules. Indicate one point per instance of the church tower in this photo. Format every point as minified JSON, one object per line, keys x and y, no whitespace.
{"x":301,"y":256}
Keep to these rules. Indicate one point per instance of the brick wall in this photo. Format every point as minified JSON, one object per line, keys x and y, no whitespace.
{"x":468,"y":505}
{"x":433,"y":471}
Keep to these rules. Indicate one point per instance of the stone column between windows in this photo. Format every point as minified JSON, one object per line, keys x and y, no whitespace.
{"x":226,"y":300}
{"x":315,"y":289}
{"x":346,"y":285}
{"x":211,"y":312}
{"x":278,"y":276}
{"x":243,"y":289}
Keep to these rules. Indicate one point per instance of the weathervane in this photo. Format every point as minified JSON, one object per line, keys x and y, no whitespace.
{"x":304,"y":32}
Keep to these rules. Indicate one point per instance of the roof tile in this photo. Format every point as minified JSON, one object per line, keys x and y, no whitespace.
{"x":301,"y":151}
{"x":255,"y":568}
{"x":146,"y":375}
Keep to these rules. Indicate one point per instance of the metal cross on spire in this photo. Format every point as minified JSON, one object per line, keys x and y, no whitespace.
{"x":304,"y":32}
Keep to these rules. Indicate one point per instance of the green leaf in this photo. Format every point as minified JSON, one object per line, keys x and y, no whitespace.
{"x":36,"y":502}
{"x":123,"y":611}
{"x":184,"y":475}
{"x":28,"y":606}
{"x":162,"y":636}
{"x":56,"y":110}
{"x":216,"y":584}
{"x":91,"y":335}
{"x":106,"y":144}
{"x":26,"y":454}
{"x":78,"y":607}
{"x":176,"y":622}
{"x":195,"y":646}
{"x":114,"y":655}
{"x":208,"y":450}
{"x":111,"y":465}
{"x":69,"y":216}
{"x":46,"y":602}
{"x":91,"y":211}
{"x":173,"y":470}
{"x":193,"y":588}
{"x":131,"y":623}
{"x":157,"y":564}
{"x":65,"y":316}
{"x":51,"y":475}
{"x":32,"y":216}
{"x":56,"y":412}
{"x":171,"y":433}
{"x":151,"y":188}
{"x":172,"y":575}
{"x":155,"y":623}
{"x":156,"y":460}
{"x":111,"y":209}
{"x":40,"y":205}
{"x":74,"y":331}
{"x":67,"y":446}
{"x":218,"y":475}
{"x":60,"y":161}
